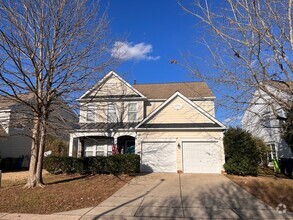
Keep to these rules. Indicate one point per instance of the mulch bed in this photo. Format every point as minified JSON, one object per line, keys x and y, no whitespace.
{"x":271,"y":190}
{"x":62,"y":193}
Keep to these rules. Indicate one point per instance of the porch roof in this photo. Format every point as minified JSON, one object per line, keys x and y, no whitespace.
{"x":108,"y":126}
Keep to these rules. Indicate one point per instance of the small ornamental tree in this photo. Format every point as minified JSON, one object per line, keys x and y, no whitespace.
{"x":242,"y":154}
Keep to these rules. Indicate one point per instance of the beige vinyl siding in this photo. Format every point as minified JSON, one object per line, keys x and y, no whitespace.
{"x":206,"y":105}
{"x":151,"y":106}
{"x":15,"y":146}
{"x":185,"y":114}
{"x":180,"y":136}
{"x":113,"y":87}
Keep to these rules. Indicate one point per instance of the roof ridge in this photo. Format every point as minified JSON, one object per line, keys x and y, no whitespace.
{"x":167,"y":83}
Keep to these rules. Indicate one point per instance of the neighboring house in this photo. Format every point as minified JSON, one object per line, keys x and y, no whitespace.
{"x":171,"y":126}
{"x":261,"y":119}
{"x":16,"y":125}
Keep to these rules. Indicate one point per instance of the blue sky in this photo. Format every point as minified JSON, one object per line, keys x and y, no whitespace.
{"x":161,"y":24}
{"x":153,"y":32}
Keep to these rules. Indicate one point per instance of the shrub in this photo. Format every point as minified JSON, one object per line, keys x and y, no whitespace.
{"x":242,"y":154}
{"x":263,"y":151}
{"x":55,"y":164}
{"x":115,"y":164}
{"x":123,"y":163}
{"x":94,"y":164}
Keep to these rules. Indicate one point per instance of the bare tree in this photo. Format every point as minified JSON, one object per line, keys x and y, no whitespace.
{"x":251,"y":44}
{"x":55,"y":50}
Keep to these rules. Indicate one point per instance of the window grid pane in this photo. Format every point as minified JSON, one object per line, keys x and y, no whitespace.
{"x":111,"y":114}
{"x":132,"y":112}
{"x":91,"y":113}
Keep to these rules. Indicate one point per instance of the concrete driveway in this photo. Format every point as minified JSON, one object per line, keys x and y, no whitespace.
{"x":171,"y":196}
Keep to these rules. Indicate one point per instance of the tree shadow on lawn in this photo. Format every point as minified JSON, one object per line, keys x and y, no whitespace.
{"x":200,"y":197}
{"x":69,"y":179}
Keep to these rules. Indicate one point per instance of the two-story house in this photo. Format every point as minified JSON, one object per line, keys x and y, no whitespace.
{"x":16,"y":125}
{"x":261,"y":119}
{"x":172,"y":126}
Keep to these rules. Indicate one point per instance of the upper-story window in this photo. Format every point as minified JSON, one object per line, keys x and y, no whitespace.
{"x":91,"y":113}
{"x":266,"y":119}
{"x":132,"y":111}
{"x":111,"y":113}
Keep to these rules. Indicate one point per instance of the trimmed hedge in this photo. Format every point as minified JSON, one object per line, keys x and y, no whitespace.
{"x":115,"y":164}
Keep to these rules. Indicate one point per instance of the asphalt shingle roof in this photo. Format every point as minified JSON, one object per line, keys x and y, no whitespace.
{"x":165,"y":90}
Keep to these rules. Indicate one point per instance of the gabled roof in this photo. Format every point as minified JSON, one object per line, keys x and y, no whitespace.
{"x":283,"y":86}
{"x":217,"y":124}
{"x":107,"y":126}
{"x":104,"y":79}
{"x":165,"y":90}
{"x":7,"y":102}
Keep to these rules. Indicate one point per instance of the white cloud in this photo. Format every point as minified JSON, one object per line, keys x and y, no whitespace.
{"x":234,"y":120}
{"x":129,"y":51}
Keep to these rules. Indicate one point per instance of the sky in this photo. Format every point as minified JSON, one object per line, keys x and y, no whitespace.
{"x":151,"y":33}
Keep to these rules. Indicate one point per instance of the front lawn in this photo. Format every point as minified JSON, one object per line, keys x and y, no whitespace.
{"x":62,"y":193}
{"x":270,"y":190}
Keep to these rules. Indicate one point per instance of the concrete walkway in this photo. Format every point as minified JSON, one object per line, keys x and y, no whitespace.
{"x":172,"y":196}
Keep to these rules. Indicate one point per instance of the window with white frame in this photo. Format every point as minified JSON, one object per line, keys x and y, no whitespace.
{"x":91,"y":113}
{"x":132,"y":111}
{"x":111,"y":113}
{"x":100,"y":150}
{"x":266,"y":119}
{"x":89,"y":150}
{"x":273,"y":152}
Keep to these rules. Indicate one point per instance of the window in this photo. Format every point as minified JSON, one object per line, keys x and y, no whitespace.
{"x":91,"y":113}
{"x":109,"y":152}
{"x":100,"y":150}
{"x":266,"y":120}
{"x":273,"y":153}
{"x":89,"y":148}
{"x":132,"y":112}
{"x":111,"y":113}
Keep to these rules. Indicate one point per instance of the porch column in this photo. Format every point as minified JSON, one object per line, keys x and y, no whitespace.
{"x":115,"y":141}
{"x":70,"y":145}
{"x":79,"y":148}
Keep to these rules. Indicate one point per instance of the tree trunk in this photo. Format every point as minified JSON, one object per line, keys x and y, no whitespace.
{"x":31,"y":180}
{"x":42,"y":140}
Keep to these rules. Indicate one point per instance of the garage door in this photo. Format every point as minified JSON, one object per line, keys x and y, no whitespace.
{"x":158,"y":157}
{"x":201,"y":157}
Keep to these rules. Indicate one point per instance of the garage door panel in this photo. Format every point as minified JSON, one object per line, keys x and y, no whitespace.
{"x":158,"y":157}
{"x":201,"y":157}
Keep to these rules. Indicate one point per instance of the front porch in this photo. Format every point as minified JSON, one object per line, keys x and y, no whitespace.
{"x":87,"y":144}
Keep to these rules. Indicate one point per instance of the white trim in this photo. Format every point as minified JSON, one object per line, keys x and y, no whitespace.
{"x":178,"y":129}
{"x":98,"y":99}
{"x":198,"y":140}
{"x":159,"y":140}
{"x":189,"y":102}
{"x":192,"y":99}
{"x":106,"y":77}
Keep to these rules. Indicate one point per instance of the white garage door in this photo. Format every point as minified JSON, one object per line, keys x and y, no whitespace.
{"x":158,"y":157}
{"x":201,"y":157}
